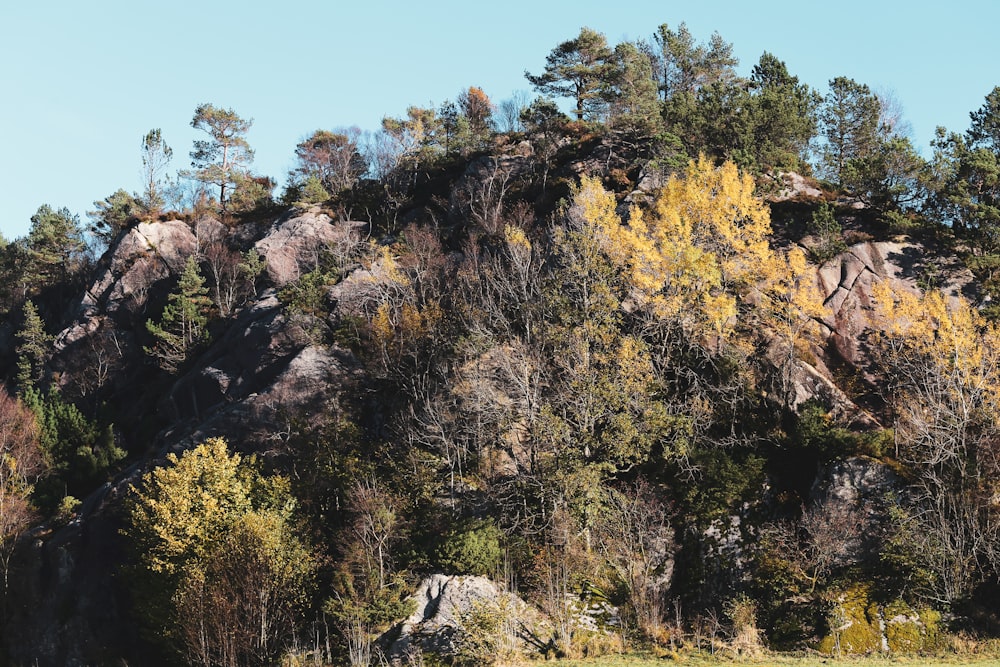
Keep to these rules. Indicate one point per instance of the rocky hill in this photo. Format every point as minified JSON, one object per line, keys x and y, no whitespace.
{"x":275,"y":367}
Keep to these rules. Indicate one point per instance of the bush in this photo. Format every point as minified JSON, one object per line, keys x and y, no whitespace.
{"x":471,"y":548}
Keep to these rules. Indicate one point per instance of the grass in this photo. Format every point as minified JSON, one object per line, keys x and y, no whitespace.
{"x":776,"y":660}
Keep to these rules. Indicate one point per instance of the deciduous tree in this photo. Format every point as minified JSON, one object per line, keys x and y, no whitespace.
{"x":223,"y":573}
{"x":21,"y":464}
{"x":332,"y":157}
{"x":945,"y":392}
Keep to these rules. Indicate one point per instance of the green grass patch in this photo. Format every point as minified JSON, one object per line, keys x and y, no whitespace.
{"x":691,"y":660}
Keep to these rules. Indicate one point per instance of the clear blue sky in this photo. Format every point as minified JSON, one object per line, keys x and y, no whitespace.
{"x":83,"y":81}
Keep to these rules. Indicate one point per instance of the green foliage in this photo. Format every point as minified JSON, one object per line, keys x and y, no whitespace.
{"x":849,"y":118}
{"x":181,"y":329}
{"x":631,"y":92}
{"x":32,"y":349}
{"x":471,"y":548}
{"x":828,"y":233}
{"x":781,"y":117}
{"x":488,"y":633}
{"x":53,"y":250}
{"x":307,"y":193}
{"x":250,"y":192}
{"x":576,"y":69}
{"x":81,"y":453}
{"x":156,"y":156}
{"x":112,"y":215}
{"x":306,"y":303}
{"x":222,"y":158}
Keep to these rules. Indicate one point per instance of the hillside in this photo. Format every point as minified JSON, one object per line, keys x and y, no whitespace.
{"x":639,"y":368}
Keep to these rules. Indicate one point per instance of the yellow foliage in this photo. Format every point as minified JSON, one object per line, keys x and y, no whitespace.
{"x":516,"y":238}
{"x":703,"y":247}
{"x":946,"y":337}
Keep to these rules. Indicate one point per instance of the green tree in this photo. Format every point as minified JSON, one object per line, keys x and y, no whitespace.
{"x":226,"y":154}
{"x":683,"y":67}
{"x":112,"y":215}
{"x":181,"y":328}
{"x":54,"y":249}
{"x":781,"y":116}
{"x":33,"y":348}
{"x":156,"y":156}
{"x":81,"y":454}
{"x":703,"y":98}
{"x":849,"y":121}
{"x":544,"y":123}
{"x":222,"y":574}
{"x":887,"y":178}
{"x":576,"y":68}
{"x":965,"y":177}
{"x":632,"y":95}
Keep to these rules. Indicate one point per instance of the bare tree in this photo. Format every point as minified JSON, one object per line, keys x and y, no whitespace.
{"x":21,"y":464}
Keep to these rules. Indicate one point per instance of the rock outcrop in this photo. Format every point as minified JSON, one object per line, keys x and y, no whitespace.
{"x":846,"y":281}
{"x":443,"y":604}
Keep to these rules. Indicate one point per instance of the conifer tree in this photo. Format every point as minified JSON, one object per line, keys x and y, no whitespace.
{"x":33,"y":348}
{"x":576,"y":69}
{"x":156,"y":155}
{"x":182,"y":326}
{"x":225,"y":156}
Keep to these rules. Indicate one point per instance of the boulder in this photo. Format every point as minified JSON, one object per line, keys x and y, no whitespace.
{"x":443,"y":604}
{"x":148,"y":253}
{"x":294,"y":243}
{"x":845,"y":283}
{"x":851,"y":493}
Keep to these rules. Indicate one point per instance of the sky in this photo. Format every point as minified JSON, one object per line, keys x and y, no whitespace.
{"x":81,"y":82}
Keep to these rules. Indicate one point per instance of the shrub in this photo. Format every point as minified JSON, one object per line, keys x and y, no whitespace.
{"x":471,"y":548}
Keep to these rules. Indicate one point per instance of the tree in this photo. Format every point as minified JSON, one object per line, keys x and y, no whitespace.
{"x":632,"y":98}
{"x":849,"y":120}
{"x":544,"y":123}
{"x":222,"y":158}
{"x":112,"y":215}
{"x":33,"y":349}
{"x":684,"y":67}
{"x":80,"y":452}
{"x":332,"y":157}
{"x":21,"y":464}
{"x":54,"y":249}
{"x":181,"y":329}
{"x":942,"y":358}
{"x":781,"y":116}
{"x":576,"y":68}
{"x":223,"y":573}
{"x":156,"y":156}
{"x":477,"y":109}
{"x":368,"y":593}
{"x":966,"y":177}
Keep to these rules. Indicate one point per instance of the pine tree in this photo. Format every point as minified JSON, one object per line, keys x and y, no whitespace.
{"x":33,"y":348}
{"x":181,"y":329}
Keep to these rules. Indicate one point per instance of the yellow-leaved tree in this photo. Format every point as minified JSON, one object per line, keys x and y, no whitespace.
{"x":943,"y":359}
{"x":699,"y":265}
{"x":221,"y":574}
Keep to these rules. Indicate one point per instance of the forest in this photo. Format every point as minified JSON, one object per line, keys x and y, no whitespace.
{"x":706,"y":365}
